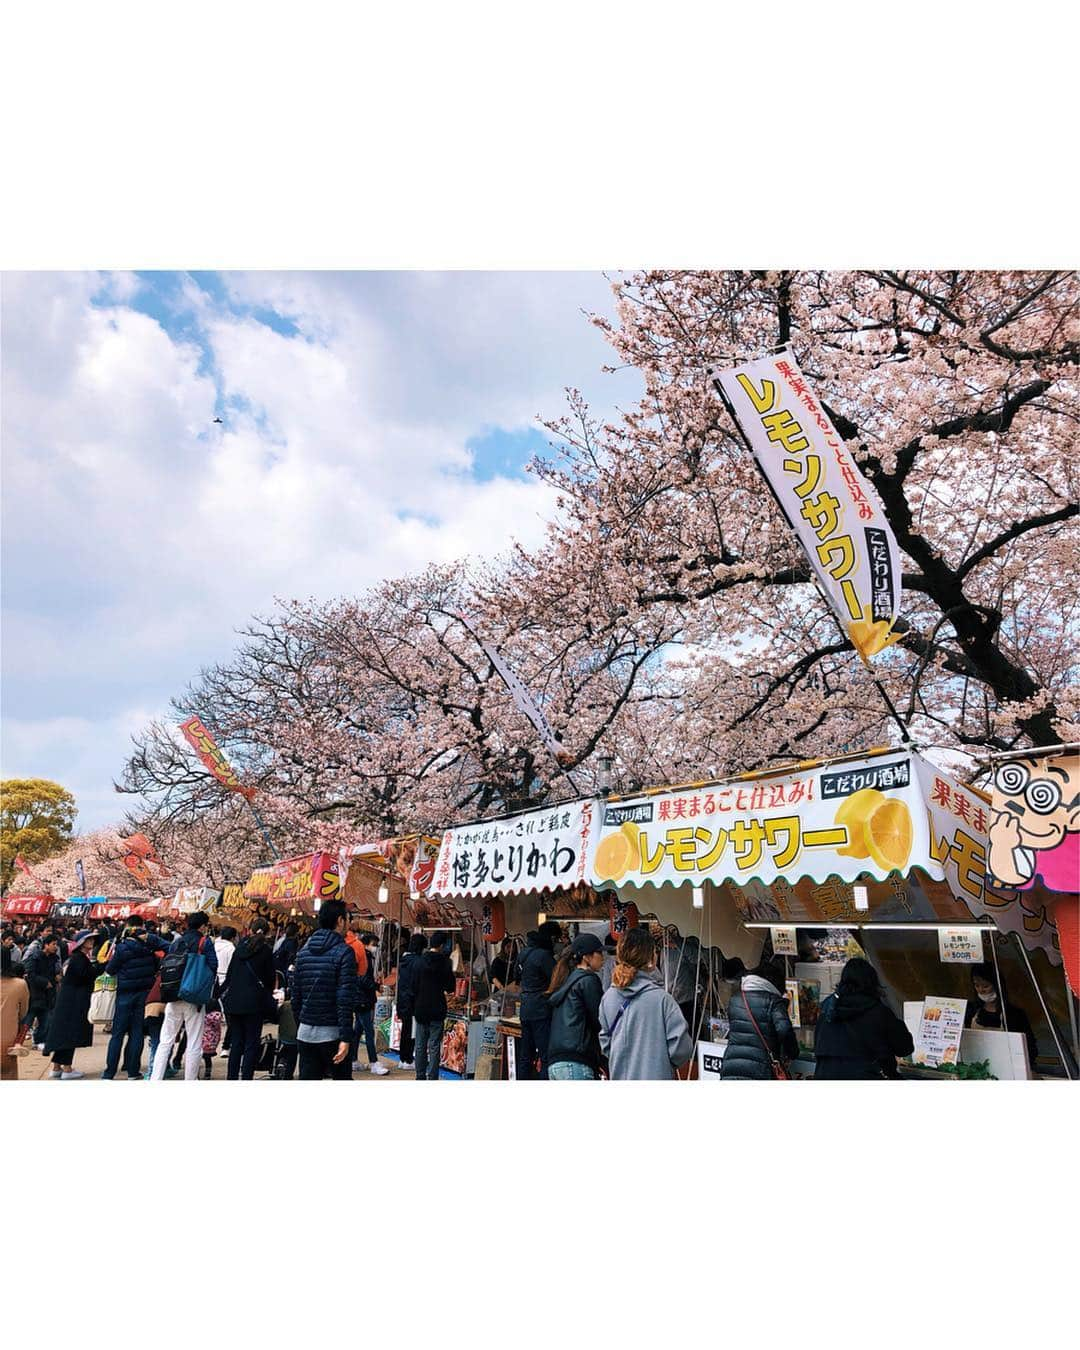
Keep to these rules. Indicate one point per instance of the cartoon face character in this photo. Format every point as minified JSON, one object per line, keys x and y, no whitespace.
{"x":1040,"y":806}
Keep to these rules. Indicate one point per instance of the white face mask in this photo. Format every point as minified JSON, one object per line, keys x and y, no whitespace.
{"x":989,"y":998}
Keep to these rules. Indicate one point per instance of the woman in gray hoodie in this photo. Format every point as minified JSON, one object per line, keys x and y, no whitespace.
{"x":642,"y":1032}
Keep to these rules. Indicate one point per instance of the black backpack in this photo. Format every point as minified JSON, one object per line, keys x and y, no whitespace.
{"x":171,"y":973}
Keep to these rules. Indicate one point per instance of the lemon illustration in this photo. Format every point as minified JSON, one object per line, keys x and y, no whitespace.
{"x":854,"y":812}
{"x":632,"y":832}
{"x":889,"y":834}
{"x":870,"y":636}
{"x":614,"y":856}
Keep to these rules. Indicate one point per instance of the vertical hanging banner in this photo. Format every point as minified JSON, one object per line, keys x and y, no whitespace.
{"x":523,"y":700}
{"x":80,"y":876}
{"x":204,"y":745}
{"x":835,"y":512}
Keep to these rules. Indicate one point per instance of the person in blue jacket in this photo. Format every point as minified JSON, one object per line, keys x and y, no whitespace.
{"x":325,"y":992}
{"x":134,"y":965}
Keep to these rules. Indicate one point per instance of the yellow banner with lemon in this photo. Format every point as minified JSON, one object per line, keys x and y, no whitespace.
{"x":865,"y":817}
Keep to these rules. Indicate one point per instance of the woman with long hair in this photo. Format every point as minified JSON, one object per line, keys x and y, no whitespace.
{"x":760,"y":1035}
{"x":642,"y":1032}
{"x":856,"y":1035}
{"x":574,"y":996}
{"x":70,"y":1027}
{"x":247,"y":999}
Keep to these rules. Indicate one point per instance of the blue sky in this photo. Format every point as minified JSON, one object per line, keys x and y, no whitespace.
{"x":371,"y":423}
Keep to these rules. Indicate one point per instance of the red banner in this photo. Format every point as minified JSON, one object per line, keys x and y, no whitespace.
{"x":207,"y":749}
{"x":114,"y":909}
{"x":28,"y":904}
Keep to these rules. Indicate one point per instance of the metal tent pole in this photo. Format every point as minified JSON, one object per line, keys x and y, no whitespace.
{"x":1046,"y":1011}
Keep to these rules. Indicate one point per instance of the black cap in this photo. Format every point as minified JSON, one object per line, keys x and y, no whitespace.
{"x":586,"y":944}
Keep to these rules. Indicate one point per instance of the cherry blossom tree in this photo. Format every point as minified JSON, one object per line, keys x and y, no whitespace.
{"x":670,"y":619}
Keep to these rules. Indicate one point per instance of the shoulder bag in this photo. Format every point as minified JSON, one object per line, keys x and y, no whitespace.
{"x":779,"y":1069}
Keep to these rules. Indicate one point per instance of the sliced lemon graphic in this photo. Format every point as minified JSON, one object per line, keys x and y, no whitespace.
{"x":614,"y":856}
{"x":889,"y":834}
{"x":632,"y":832}
{"x":854,"y":812}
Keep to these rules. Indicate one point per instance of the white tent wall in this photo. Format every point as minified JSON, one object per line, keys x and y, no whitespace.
{"x":717,"y":923}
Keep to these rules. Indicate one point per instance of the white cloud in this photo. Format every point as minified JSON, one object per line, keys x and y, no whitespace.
{"x":138,"y":535}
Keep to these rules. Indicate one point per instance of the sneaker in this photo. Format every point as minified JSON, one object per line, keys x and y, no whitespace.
{"x":74,"y":1073}
{"x":379,"y":1069}
{"x":407,"y":1064}
{"x":357,"y":1066}
{"x":54,"y":1073}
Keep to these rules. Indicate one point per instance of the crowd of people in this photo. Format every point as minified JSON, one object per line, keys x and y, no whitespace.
{"x":589,"y":1008}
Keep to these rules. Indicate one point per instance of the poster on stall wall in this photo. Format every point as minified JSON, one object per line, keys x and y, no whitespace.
{"x":960,"y":946}
{"x":834,"y":511}
{"x":940,"y":1029}
{"x":539,"y":850}
{"x":837,"y":822}
{"x":487,"y":1059}
{"x":792,"y":987}
{"x":511,"y":1057}
{"x":384,"y":1011}
{"x":395,"y":1030}
{"x":455,"y":1045}
{"x":784,"y":941}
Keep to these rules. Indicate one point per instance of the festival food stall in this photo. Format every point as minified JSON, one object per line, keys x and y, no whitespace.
{"x":508,"y":875}
{"x":880,"y":852}
{"x":292,"y":887}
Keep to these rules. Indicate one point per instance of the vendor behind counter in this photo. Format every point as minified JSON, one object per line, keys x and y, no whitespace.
{"x":985,"y":1008}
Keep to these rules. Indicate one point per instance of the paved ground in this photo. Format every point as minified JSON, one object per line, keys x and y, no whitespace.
{"x":92,"y":1060}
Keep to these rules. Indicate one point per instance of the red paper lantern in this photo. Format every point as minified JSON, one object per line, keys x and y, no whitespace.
{"x":493,"y":921}
{"x":621,"y":916}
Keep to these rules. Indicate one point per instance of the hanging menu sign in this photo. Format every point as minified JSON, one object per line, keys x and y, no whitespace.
{"x":960,"y":946}
{"x":784,"y":941}
{"x":940,"y":1029}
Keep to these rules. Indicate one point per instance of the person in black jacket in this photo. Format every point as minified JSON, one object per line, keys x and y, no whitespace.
{"x":760,"y":1032}
{"x":286,"y":947}
{"x":42,"y":973}
{"x":324,"y":993}
{"x":435,"y":980}
{"x":574,"y":996}
{"x":365,"y":1010}
{"x":134,"y":963}
{"x":535,"y":969}
{"x":408,"y":974}
{"x":247,"y":999}
{"x":856,"y":1035}
{"x":70,"y":1027}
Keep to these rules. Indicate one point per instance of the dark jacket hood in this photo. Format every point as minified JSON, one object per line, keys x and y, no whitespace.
{"x":319,"y":941}
{"x":849,"y":1007}
{"x":563,"y":991}
{"x":248,"y":946}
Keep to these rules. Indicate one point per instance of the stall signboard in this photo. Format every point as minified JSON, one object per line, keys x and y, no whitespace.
{"x":395,"y":1029}
{"x":295,"y":882}
{"x":232,"y":895}
{"x":864,"y":818}
{"x":784,"y":940}
{"x":960,"y":946}
{"x":834,"y":511}
{"x":114,"y":909}
{"x":541,"y":850}
{"x":1035,"y":849}
{"x":75,"y":907}
{"x":27,"y":905}
{"x":940,"y":1028}
{"x":191,"y":899}
{"x":792,"y":993}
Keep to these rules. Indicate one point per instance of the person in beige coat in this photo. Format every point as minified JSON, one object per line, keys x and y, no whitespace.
{"x":14,"y":1005}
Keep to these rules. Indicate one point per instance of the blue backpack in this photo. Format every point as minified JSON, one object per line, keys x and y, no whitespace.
{"x":197,"y":983}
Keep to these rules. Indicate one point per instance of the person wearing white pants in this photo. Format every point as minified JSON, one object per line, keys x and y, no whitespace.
{"x":180,"y":1014}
